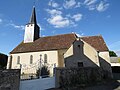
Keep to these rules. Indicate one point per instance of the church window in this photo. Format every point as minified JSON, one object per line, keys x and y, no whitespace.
{"x":80,"y":64}
{"x":18,"y":60}
{"x":45,"y":58}
{"x":31,"y":59}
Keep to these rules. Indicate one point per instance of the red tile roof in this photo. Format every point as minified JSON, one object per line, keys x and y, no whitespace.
{"x":97,"y":42}
{"x":63,"y":41}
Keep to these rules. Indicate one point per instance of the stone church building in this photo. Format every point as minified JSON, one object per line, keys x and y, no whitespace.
{"x":57,"y":51}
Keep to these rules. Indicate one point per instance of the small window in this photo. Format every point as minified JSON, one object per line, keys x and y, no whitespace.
{"x":80,"y":64}
{"x":45,"y":58}
{"x":18,"y":60}
{"x":31,"y":59}
{"x":79,"y":46}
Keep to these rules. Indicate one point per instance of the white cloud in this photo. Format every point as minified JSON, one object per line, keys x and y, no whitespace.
{"x":54,"y":12}
{"x":1,"y":20}
{"x":77,"y":17}
{"x":69,"y":4}
{"x":102,"y":6}
{"x":78,"y":5}
{"x":90,"y":2}
{"x":53,"y":4}
{"x":95,"y":5}
{"x":58,"y":21}
{"x":21,"y":27}
{"x":91,"y":7}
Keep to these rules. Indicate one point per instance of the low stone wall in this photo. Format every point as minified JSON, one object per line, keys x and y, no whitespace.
{"x":9,"y":79}
{"x":71,"y":77}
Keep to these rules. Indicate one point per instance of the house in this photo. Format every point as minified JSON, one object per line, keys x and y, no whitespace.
{"x":35,"y":51}
{"x":115,"y":61}
{"x":88,"y":51}
{"x":115,"y":65}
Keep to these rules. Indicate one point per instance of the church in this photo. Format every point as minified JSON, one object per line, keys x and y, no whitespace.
{"x":65,"y":50}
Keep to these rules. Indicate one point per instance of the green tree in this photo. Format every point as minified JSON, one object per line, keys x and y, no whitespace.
{"x":44,"y":71}
{"x":112,"y":54}
{"x":3,"y":61}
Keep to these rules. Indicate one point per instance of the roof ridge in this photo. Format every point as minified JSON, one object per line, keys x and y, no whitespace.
{"x":92,"y":36}
{"x":59,"y":35}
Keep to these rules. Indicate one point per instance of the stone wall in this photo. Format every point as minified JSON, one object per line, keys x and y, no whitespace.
{"x":71,"y":77}
{"x":9,"y":79}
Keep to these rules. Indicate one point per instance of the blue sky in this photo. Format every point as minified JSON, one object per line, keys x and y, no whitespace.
{"x":84,"y":17}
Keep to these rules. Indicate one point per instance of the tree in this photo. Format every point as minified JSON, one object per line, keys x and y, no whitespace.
{"x":112,"y":54}
{"x":44,"y":71}
{"x":3,"y":61}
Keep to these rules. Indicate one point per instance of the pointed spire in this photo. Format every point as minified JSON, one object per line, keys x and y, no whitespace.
{"x":33,"y":17}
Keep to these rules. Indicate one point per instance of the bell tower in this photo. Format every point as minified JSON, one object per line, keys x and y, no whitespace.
{"x":31,"y":29}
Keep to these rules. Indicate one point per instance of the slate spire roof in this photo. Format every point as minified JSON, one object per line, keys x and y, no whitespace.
{"x":58,"y":42}
{"x":33,"y":17}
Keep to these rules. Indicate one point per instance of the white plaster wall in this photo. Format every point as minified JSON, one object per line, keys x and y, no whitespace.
{"x":91,"y":53}
{"x":52,"y":58}
{"x":8,"y":63}
{"x":85,"y":53}
{"x":105,"y":60}
{"x":69,"y":52}
{"x":61,"y":57}
{"x":29,"y":33}
{"x":105,"y":56}
{"x":115,"y":64}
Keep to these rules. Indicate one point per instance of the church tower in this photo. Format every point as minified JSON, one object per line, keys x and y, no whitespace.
{"x":31,"y":29}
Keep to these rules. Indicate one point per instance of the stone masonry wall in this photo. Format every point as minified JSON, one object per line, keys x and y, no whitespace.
{"x":71,"y":77}
{"x":9,"y":79}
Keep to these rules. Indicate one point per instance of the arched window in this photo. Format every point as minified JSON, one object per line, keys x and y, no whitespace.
{"x":31,"y":59}
{"x":45,"y":58}
{"x":18,"y":60}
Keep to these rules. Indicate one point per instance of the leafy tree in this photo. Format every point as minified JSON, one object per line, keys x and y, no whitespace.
{"x":3,"y":61}
{"x":112,"y":54}
{"x":44,"y":71}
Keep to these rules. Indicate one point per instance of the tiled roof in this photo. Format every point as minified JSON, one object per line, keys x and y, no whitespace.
{"x":63,"y":41}
{"x":97,"y":42}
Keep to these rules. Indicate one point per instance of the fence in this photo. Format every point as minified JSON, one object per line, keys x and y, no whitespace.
{"x":32,"y":76}
{"x":28,"y":76}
